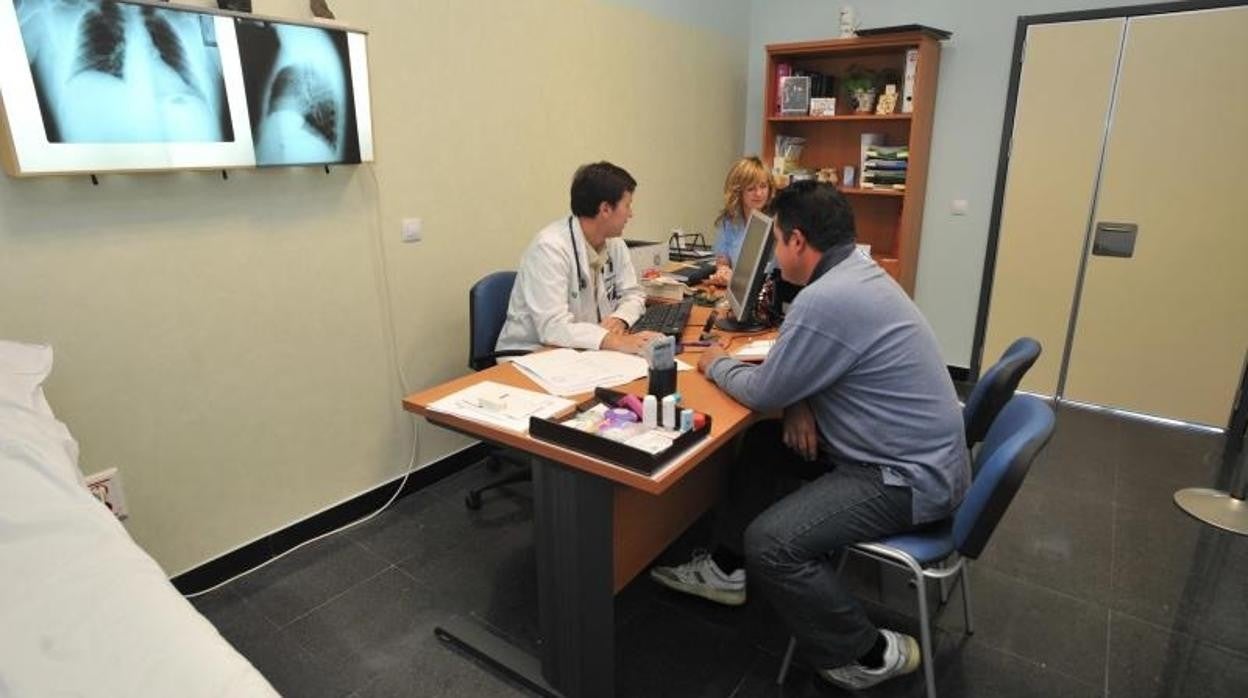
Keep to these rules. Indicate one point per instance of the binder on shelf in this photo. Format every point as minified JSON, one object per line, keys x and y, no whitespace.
{"x":907,"y":85}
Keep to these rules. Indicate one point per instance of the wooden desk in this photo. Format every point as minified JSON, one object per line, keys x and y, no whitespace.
{"x":597,"y":526}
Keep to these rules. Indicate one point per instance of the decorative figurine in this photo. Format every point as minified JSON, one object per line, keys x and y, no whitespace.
{"x":849,"y":23}
{"x":887,"y":103}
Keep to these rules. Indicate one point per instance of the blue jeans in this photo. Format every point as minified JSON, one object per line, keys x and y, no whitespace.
{"x":790,"y":547}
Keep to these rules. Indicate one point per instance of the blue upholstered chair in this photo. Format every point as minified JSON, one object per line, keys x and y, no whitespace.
{"x":996,"y":386}
{"x":1018,"y":433}
{"x":487,"y":311}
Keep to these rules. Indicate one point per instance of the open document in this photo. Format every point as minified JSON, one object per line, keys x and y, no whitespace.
{"x":754,"y":351}
{"x":501,"y":405}
{"x":571,"y":372}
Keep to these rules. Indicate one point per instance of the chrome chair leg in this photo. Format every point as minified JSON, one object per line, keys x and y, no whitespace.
{"x":943,"y":583}
{"x":925,"y":637}
{"x":788,"y":659}
{"x":966,"y":595}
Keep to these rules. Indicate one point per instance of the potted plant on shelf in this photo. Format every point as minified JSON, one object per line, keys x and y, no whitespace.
{"x":860,"y":87}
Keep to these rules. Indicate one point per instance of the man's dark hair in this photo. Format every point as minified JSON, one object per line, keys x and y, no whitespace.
{"x":818,"y":210}
{"x":598,"y":182}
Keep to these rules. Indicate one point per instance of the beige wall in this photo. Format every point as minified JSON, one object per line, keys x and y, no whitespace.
{"x":224,"y":343}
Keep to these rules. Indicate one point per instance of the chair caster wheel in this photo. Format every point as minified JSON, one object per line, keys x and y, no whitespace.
{"x":473,"y":501}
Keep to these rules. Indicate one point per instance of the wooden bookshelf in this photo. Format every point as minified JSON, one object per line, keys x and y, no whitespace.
{"x":842,"y":117}
{"x":887,"y":219}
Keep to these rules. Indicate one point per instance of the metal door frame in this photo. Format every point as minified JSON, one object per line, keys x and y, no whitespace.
{"x":1003,"y":162}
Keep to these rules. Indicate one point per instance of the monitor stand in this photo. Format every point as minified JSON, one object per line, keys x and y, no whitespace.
{"x":729,"y":324}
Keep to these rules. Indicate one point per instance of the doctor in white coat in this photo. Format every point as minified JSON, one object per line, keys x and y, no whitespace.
{"x":576,"y":286}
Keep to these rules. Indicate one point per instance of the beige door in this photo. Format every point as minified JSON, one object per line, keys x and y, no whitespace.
{"x":1163,"y":332}
{"x":1059,"y":128}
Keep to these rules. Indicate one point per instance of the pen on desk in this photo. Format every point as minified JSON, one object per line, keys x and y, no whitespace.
{"x":710,"y":323}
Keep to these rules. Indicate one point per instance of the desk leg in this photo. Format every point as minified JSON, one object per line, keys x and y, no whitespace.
{"x":573,"y":520}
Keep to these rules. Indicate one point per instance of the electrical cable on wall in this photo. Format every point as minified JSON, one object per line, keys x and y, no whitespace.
{"x":388,"y":329}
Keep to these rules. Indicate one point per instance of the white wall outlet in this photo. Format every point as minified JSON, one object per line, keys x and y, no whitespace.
{"x":106,"y":487}
{"x":413,"y":228}
{"x":959,"y":207}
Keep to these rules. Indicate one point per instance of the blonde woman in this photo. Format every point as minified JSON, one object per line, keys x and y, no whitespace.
{"x":747,"y":188}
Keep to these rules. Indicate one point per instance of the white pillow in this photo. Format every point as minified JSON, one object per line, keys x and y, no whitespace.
{"x":23,"y":368}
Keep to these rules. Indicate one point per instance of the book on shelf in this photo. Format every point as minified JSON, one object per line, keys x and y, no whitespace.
{"x":894,"y":187}
{"x":795,"y":95}
{"x":821,"y":85}
{"x":783,"y":70}
{"x":874,"y":179}
{"x":878,"y":164}
{"x":867,"y":141}
{"x":887,"y":152}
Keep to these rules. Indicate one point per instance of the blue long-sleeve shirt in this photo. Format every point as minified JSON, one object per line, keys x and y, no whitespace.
{"x":858,"y":351}
{"x":729,"y":235}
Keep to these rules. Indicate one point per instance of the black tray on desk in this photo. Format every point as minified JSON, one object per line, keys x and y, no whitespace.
{"x":614,"y":452}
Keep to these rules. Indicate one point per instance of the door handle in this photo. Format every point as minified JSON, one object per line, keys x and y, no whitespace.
{"x":1114,"y":239}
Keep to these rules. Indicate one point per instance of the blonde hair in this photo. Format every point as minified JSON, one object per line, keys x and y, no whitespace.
{"x":745,"y":173}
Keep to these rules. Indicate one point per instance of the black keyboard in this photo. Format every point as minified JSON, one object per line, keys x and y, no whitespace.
{"x":667,"y":318}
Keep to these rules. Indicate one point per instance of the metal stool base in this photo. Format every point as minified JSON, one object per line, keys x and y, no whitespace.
{"x":1214,"y":507}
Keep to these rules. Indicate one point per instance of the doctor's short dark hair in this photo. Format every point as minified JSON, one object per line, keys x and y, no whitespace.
{"x":818,"y":210}
{"x":598,"y":182}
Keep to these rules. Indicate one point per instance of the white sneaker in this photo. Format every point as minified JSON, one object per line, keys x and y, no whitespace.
{"x":901,"y":656}
{"x":702,"y":577}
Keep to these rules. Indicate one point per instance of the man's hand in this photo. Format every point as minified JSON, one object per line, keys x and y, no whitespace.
{"x":800,"y":432}
{"x":629,"y":343}
{"x":708,"y":357}
{"x":614,"y":325}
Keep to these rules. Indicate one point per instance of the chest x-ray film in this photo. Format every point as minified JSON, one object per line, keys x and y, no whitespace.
{"x":100,"y":86}
{"x":95,"y":85}
{"x":307,"y":93}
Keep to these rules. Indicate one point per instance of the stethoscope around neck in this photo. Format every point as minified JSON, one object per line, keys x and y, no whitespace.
{"x":576,"y":257}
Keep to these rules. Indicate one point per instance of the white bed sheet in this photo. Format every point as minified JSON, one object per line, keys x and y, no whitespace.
{"x":83,"y":610}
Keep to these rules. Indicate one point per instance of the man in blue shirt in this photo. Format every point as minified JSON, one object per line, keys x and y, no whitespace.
{"x":872,"y":427}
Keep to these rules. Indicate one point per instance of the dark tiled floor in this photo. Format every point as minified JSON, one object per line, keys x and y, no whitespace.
{"x":1094,"y":585}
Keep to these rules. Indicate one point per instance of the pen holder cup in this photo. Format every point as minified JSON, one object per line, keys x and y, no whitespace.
{"x":662,"y":382}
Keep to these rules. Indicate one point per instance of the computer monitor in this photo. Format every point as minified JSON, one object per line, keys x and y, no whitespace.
{"x":748,"y":275}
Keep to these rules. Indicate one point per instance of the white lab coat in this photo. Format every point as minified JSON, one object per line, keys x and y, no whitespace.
{"x":548,"y":306}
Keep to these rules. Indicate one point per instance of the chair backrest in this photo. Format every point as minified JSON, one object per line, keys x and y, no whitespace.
{"x":1017,"y":435}
{"x":487,"y":311}
{"x":996,"y":387}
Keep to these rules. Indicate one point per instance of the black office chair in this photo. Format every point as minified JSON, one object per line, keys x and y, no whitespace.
{"x":995,"y":388}
{"x":487,"y":311}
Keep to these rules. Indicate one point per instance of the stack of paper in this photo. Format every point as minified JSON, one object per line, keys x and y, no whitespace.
{"x":571,"y":372}
{"x":755,"y":351}
{"x":501,"y":405}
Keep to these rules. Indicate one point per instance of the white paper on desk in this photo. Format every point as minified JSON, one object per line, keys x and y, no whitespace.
{"x":570,"y":372}
{"x":758,"y":349}
{"x":517,"y":405}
